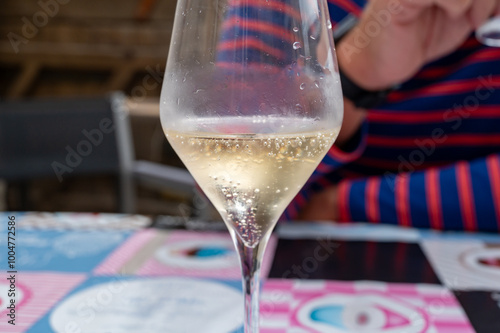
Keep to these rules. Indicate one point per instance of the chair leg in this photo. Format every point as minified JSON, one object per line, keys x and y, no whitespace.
{"x":17,"y":196}
{"x":126,"y":194}
{"x":3,"y":195}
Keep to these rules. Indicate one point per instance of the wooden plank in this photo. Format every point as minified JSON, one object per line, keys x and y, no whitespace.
{"x":124,"y":70}
{"x":77,"y":49}
{"x":73,"y":8}
{"x":81,"y":61}
{"x":121,"y":77}
{"x":165,"y":10}
{"x":70,"y":82}
{"x":24,"y":81}
{"x":145,"y":9}
{"x":96,"y":32}
{"x":149,"y":108}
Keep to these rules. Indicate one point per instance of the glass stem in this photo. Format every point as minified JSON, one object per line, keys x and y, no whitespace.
{"x":251,"y":259}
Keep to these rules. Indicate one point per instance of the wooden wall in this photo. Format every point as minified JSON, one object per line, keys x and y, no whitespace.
{"x":89,"y":47}
{"x":82,"y":47}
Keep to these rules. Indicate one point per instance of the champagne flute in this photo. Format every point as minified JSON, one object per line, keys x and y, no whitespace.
{"x":251,"y":102}
{"x":489,"y":33}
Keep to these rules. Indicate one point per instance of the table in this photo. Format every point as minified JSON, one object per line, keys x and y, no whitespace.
{"x":119,"y":273}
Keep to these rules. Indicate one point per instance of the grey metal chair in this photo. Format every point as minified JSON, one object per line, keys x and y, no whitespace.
{"x":65,"y":138}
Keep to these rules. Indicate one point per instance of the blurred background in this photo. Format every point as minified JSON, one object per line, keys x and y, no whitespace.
{"x":72,"y":48}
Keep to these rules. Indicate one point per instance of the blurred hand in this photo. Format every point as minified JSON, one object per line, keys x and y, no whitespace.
{"x":392,"y":41}
{"x":395,"y":38}
{"x":323,"y":206}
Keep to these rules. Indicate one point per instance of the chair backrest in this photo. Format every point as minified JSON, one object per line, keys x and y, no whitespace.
{"x":58,"y":137}
{"x":64,"y":137}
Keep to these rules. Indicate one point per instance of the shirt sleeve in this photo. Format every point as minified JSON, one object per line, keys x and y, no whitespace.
{"x":463,"y":196}
{"x":321,"y":177}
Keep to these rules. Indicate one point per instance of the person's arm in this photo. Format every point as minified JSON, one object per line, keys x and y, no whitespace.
{"x":463,"y":196}
{"x":394,"y":39}
{"x":413,"y":34}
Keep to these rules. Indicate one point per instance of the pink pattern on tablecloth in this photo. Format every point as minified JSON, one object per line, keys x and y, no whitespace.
{"x":112,"y":264}
{"x":41,"y":291}
{"x":289,"y":304}
{"x":155,"y":267}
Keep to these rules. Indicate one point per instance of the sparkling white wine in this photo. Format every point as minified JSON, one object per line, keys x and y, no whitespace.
{"x":251,"y":178}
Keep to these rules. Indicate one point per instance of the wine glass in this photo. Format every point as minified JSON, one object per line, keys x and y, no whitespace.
{"x":251,"y":102}
{"x":489,"y":33}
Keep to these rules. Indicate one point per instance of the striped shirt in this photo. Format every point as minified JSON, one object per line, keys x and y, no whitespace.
{"x":429,"y":157}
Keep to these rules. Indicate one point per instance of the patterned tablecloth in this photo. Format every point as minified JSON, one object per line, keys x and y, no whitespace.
{"x":103,"y":273}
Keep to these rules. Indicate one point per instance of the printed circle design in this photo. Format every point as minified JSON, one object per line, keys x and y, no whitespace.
{"x":199,"y":254}
{"x":156,"y":305}
{"x":370,"y":313}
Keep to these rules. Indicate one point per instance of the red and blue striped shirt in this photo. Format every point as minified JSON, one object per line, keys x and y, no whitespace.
{"x":429,"y":157}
